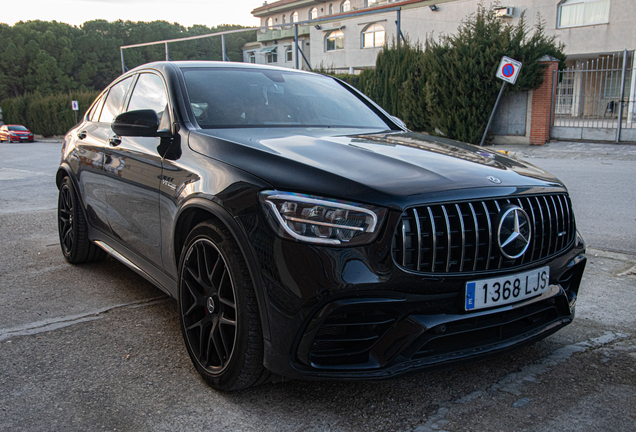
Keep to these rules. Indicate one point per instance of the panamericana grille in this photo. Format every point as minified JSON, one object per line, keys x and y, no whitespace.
{"x":462,"y":237}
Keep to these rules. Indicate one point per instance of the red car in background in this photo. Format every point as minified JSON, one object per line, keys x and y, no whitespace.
{"x":16,"y":133}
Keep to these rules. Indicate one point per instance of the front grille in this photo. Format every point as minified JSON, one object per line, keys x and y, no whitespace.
{"x":462,"y":237}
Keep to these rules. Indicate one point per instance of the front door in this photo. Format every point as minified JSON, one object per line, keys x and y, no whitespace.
{"x":132,"y":167}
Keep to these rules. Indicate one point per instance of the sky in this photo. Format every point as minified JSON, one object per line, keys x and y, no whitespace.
{"x":185,"y":12}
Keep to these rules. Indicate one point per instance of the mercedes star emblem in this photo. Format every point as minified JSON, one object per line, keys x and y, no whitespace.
{"x":495,"y":180}
{"x":514,"y":232}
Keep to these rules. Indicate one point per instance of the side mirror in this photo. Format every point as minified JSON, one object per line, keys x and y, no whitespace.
{"x":140,"y":123}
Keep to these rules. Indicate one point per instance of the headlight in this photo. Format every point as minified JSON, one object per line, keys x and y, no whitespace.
{"x":319,"y":220}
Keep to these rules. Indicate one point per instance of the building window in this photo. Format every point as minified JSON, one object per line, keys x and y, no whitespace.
{"x":574,"y":13}
{"x":283,"y":18}
{"x":330,"y":8}
{"x":251,"y":57}
{"x":334,"y":41}
{"x":370,"y":3}
{"x":289,"y":56}
{"x":612,"y":85}
{"x":270,"y":23}
{"x":373,"y":36}
{"x":313,"y":13}
{"x":272,"y":57}
{"x":345,"y":6}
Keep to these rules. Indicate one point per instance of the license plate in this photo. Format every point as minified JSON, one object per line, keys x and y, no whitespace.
{"x":499,"y":291}
{"x":24,"y":138}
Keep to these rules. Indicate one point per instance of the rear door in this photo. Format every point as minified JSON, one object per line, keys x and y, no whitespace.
{"x":91,"y":139}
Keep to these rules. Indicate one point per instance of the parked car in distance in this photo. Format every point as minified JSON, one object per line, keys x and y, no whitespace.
{"x":17,"y":133}
{"x":306,"y":233}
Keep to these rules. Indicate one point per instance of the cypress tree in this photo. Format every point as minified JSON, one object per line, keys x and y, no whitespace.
{"x":461,"y":88}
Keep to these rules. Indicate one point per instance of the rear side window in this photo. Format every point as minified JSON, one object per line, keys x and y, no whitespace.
{"x":97,"y":109}
{"x":149,"y":93}
{"x":115,"y":100}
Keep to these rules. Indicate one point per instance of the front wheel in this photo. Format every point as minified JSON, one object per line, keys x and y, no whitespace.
{"x":219,"y":314}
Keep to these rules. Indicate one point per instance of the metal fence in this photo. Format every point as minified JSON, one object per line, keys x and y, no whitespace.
{"x":595,"y":94}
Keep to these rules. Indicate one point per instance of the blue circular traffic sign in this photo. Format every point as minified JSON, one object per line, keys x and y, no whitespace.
{"x":508,"y":70}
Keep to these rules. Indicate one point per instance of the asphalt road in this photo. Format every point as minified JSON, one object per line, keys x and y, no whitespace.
{"x":96,"y":347}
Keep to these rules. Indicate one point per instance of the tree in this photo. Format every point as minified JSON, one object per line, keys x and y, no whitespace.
{"x":461,"y":88}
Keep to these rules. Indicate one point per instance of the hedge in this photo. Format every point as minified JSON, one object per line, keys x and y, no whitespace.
{"x":46,"y":115}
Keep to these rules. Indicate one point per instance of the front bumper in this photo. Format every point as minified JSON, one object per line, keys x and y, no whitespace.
{"x":379,"y":335}
{"x":354,"y":314}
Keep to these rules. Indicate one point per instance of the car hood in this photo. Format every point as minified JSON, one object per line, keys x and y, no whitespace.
{"x":387,"y":168}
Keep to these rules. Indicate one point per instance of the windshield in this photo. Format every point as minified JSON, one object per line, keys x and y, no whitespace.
{"x":231,"y":98}
{"x":17,"y":128}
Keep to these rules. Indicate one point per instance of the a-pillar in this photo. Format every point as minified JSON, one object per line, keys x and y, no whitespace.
{"x":542,"y":103}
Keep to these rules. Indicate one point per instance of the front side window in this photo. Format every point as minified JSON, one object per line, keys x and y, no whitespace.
{"x":115,"y":100}
{"x":373,"y":35}
{"x":334,"y":40}
{"x":574,"y":13}
{"x":289,"y":56}
{"x":149,"y":93}
{"x":295,"y":17}
{"x":345,"y":6}
{"x":238,"y":98}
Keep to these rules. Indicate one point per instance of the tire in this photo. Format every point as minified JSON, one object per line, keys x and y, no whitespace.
{"x":73,"y":229}
{"x":218,"y":311}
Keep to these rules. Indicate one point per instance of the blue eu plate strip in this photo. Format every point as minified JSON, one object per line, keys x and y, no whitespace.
{"x":470,"y":296}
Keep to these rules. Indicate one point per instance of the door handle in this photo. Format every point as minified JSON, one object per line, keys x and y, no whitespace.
{"x":81,"y":135}
{"x":114,"y":141}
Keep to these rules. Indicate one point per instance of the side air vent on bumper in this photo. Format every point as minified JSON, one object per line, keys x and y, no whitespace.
{"x":462,"y":237}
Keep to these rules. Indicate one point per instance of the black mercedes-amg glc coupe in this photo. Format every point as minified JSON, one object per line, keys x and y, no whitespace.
{"x":306,"y":233}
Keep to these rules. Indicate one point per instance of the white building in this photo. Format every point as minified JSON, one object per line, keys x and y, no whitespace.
{"x":588,"y":28}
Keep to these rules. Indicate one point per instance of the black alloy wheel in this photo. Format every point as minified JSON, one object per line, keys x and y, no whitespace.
{"x":208,"y":306}
{"x":66,"y":212}
{"x":218,"y":310}
{"x":73,"y":229}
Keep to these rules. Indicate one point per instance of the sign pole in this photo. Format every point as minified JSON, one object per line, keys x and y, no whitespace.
{"x":508,"y":71}
{"x":75,"y":108}
{"x":492,"y":115}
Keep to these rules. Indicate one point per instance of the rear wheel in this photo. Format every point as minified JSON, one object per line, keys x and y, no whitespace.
{"x":73,"y":229}
{"x":219,"y":315}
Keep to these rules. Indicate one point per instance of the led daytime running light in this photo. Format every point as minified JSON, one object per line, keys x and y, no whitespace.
{"x":315,"y":220}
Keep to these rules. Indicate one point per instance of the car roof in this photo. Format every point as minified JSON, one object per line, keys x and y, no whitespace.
{"x":214,"y":64}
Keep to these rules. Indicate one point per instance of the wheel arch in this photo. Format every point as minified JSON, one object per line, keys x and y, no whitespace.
{"x":64,"y":171}
{"x":197,"y":210}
